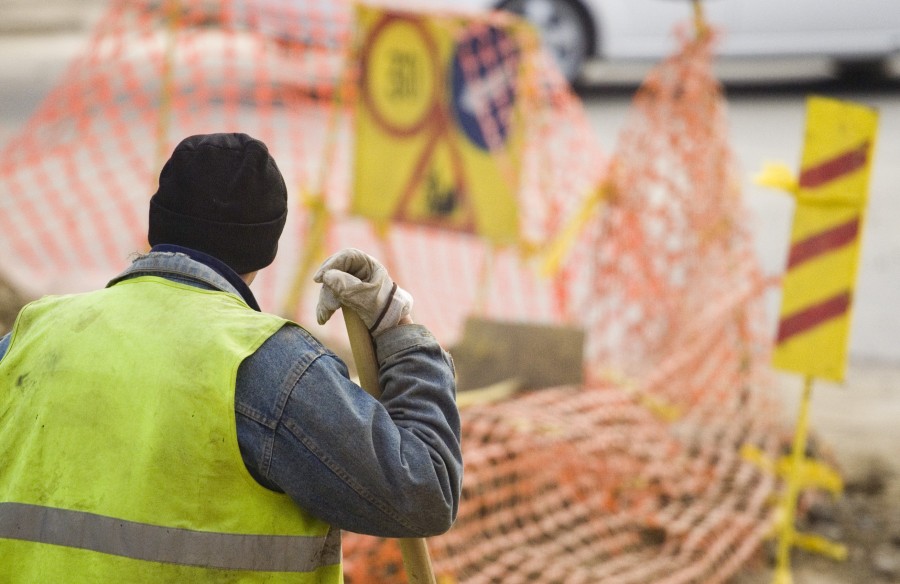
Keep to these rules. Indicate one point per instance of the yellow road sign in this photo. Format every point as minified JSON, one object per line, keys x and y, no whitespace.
{"x":436,"y":124}
{"x":831,"y":194}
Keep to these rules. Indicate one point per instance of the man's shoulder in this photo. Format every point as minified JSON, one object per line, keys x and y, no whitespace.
{"x":290,"y":346}
{"x":278,"y":365}
{"x":292,"y":335}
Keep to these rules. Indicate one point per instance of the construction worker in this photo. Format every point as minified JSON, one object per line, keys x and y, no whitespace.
{"x":164,"y":429}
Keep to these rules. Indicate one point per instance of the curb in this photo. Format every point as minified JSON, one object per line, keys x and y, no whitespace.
{"x":48,"y":17}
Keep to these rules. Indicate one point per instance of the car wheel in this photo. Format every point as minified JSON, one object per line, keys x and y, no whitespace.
{"x":563,"y":27}
{"x":861,"y":71}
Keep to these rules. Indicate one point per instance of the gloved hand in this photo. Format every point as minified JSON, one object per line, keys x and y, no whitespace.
{"x":358,"y":281}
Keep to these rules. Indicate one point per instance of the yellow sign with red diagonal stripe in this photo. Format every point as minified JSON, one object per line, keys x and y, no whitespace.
{"x":831,"y":193}
{"x":438,"y":141}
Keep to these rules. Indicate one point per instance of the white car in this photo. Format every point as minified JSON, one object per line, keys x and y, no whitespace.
{"x":855,"y":33}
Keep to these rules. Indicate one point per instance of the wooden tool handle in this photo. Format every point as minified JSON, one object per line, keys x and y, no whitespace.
{"x":416,"y":560}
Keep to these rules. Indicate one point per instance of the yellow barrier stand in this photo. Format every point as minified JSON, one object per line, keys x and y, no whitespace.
{"x":788,"y":537}
{"x":167,"y":82}
{"x":831,"y":195}
{"x":700,"y":26}
{"x":560,"y":247}
{"x":315,"y":250}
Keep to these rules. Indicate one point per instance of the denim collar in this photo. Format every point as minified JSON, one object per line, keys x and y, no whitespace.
{"x":189,"y":264}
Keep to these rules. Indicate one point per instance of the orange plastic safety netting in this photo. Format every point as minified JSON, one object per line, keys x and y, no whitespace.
{"x":635,"y":477}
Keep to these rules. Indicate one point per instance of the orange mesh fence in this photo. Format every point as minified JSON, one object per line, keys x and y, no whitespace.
{"x":636,"y":476}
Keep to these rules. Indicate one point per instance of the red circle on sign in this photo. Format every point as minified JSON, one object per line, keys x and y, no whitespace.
{"x":366,"y":86}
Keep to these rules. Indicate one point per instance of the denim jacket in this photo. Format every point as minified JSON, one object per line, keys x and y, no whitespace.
{"x":390,"y":467}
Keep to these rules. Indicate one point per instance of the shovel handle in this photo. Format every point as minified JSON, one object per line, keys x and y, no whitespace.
{"x":414,"y":550}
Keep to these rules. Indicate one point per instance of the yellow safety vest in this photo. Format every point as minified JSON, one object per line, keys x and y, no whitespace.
{"x":119,"y":459}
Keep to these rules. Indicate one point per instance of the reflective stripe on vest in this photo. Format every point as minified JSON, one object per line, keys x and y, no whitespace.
{"x":141,"y":541}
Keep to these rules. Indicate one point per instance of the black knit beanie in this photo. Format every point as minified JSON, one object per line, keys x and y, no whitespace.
{"x":223,"y":195}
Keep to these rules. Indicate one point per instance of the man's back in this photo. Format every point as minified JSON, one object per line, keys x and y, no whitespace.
{"x":105,"y":428}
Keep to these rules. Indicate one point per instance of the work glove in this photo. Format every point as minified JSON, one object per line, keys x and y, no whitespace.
{"x":358,"y":281}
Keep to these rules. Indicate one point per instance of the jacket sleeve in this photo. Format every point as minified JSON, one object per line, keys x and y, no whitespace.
{"x":390,"y":468}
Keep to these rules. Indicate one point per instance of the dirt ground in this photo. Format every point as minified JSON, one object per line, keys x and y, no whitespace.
{"x":866,"y":519}
{"x":853,"y":428}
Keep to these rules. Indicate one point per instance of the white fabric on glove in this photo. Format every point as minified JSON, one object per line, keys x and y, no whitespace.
{"x":354,"y":279}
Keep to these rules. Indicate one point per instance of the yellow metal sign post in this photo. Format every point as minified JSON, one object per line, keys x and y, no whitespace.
{"x":817,"y":293}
